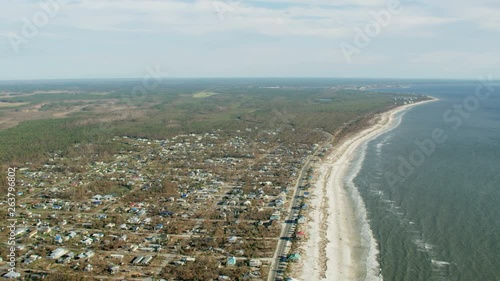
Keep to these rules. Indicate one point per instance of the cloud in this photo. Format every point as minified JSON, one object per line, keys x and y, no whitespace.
{"x":320,"y":18}
{"x":254,"y":36}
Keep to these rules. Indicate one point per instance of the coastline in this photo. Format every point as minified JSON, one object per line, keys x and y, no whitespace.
{"x":338,"y":233}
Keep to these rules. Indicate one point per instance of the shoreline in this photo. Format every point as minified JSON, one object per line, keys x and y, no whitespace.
{"x":335,"y":245}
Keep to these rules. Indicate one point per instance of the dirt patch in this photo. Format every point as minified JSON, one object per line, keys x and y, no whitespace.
{"x":12,"y":117}
{"x":202,"y":95}
{"x":11,"y":104}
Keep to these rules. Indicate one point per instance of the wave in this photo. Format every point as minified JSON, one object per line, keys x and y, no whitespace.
{"x":440,"y":269}
{"x":368,"y":241}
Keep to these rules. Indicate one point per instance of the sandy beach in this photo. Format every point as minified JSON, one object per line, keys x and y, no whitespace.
{"x":336,"y":248}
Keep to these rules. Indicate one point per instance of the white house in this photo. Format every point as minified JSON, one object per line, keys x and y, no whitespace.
{"x":254,"y":263}
{"x":57,"y":253}
{"x":12,"y":275}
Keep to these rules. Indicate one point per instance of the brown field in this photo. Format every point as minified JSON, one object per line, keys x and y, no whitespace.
{"x":13,"y":117}
{"x":11,"y":104}
{"x":6,"y":94}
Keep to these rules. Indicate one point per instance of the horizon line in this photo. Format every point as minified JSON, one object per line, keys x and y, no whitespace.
{"x":242,"y":77}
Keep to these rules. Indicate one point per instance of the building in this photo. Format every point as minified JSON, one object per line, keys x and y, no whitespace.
{"x":57,"y":253}
{"x":231,"y":261}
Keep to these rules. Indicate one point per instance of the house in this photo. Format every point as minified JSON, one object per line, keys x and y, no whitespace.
{"x":97,"y":236}
{"x":294,"y":257}
{"x":113,"y":269}
{"x":232,"y":239}
{"x":87,"y":241}
{"x":300,"y":235}
{"x":31,"y":259}
{"x":147,"y":249}
{"x":32,"y":233}
{"x":254,"y":263}
{"x":279,"y":202}
{"x":166,"y":214}
{"x":87,"y":254}
{"x":231,"y":261}
{"x":134,"y":220}
{"x":12,"y":275}
{"x":186,"y":259}
{"x":275,"y":216}
{"x":57,"y":253}
{"x":252,"y":275}
{"x":301,"y":219}
{"x":137,"y":260}
{"x":58,"y":239}
{"x":147,"y":260}
{"x":20,"y":231}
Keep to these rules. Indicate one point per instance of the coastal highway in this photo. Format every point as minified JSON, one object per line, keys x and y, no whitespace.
{"x":278,"y":265}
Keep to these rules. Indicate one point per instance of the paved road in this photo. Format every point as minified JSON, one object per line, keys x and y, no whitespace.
{"x":277,"y":267}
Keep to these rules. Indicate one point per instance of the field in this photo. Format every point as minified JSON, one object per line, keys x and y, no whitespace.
{"x":11,"y":104}
{"x":202,"y":95}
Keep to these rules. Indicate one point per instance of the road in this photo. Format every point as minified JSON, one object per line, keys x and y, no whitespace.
{"x":277,"y":266}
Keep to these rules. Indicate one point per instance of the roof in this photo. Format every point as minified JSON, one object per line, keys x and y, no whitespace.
{"x":12,"y":274}
{"x":231,"y":261}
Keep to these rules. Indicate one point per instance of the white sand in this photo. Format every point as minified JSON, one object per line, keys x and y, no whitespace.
{"x":332,"y":250}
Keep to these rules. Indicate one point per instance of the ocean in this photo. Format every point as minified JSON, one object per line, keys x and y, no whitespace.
{"x":431,"y":186}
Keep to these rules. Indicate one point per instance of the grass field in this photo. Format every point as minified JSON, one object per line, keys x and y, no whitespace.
{"x":202,"y":95}
{"x":11,"y":104}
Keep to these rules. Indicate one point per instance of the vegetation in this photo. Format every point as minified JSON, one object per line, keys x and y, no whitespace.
{"x":179,"y":107}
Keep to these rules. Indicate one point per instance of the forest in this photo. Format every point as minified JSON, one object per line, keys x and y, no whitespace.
{"x":95,"y":110}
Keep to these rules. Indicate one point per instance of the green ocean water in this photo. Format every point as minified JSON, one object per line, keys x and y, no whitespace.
{"x":441,"y":219}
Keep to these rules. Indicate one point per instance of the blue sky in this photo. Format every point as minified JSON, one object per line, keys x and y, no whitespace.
{"x":456,"y":39}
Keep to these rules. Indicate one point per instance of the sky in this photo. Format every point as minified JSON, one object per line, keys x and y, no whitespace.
{"x":58,"y":39}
